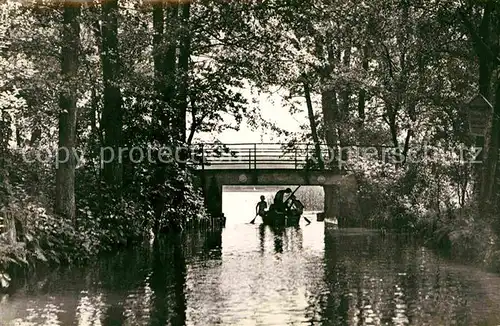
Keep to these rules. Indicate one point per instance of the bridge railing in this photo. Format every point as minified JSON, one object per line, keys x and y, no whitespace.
{"x":254,"y":155}
{"x":300,"y":155}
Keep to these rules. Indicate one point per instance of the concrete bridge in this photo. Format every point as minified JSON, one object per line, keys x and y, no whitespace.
{"x":270,"y":164}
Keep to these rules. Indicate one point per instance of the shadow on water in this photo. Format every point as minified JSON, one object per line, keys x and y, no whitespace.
{"x":282,"y":237}
{"x":374,"y":280}
{"x":311,"y":275}
{"x":168,"y":276}
{"x":212,"y":246}
{"x":262,"y":237}
{"x":278,"y":232}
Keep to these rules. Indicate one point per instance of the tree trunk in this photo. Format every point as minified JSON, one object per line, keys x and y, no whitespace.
{"x":412,"y":103}
{"x":344,"y":110}
{"x":65,"y":175}
{"x":482,"y":170}
{"x":184,"y":55}
{"x":393,"y":127}
{"x":490,"y":165}
{"x":312,"y":121}
{"x":19,"y":136}
{"x":331,"y":119}
{"x":164,"y":55}
{"x":169,"y":66}
{"x":95,"y":99}
{"x":362,"y":91}
{"x":490,"y":141}
{"x":329,"y":108}
{"x":482,"y":41}
{"x":346,"y":92}
{"x":112,"y":115}
{"x":158,"y":58}
{"x":192,"y":128}
{"x":164,"y":58}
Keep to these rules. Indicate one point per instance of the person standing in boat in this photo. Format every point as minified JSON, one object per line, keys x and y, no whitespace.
{"x":261,"y":206}
{"x":279,"y":203}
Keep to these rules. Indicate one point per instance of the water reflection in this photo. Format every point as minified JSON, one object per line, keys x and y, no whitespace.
{"x":262,"y":237}
{"x":249,"y":274}
{"x":167,"y":282}
{"x":278,"y":239}
{"x":213,"y":244}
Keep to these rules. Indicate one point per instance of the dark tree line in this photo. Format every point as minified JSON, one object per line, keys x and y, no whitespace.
{"x":123,"y":74}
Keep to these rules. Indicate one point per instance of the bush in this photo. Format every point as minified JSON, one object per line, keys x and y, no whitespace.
{"x":106,"y":219}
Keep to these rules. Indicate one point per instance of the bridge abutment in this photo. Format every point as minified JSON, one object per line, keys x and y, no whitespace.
{"x":332,"y":202}
{"x":269,"y":164}
{"x":332,"y":183}
{"x":213,"y":197}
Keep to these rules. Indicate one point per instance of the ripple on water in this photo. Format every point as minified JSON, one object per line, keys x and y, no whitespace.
{"x":254,"y":275}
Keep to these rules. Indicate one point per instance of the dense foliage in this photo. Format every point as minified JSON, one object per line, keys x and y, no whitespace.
{"x":126,"y":74}
{"x":393,"y":76}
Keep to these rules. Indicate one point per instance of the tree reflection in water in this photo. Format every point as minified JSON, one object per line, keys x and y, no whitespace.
{"x":167,"y":281}
{"x":310,"y":275}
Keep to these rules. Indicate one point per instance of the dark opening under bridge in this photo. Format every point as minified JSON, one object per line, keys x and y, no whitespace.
{"x":269,"y":164}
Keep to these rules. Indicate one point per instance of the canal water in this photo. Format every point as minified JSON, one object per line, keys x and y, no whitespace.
{"x":250,"y":274}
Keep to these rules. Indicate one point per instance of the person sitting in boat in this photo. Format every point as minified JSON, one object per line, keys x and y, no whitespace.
{"x":279,"y":203}
{"x":293,"y":204}
{"x":261,"y":206}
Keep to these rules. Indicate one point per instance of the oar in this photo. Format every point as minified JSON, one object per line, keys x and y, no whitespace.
{"x":294,"y":191}
{"x":287,"y":206}
{"x":253,"y":221}
{"x":307,"y":220}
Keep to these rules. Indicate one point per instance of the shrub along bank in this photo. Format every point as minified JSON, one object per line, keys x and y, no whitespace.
{"x":433,"y":201}
{"x":32,"y":234}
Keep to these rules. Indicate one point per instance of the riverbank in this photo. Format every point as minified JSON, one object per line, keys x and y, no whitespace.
{"x":434,"y":201}
{"x":458,"y":234}
{"x":107,"y":218}
{"x":34,"y":239}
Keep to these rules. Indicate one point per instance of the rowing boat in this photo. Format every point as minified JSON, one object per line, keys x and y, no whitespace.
{"x":291,"y":217}
{"x":275,"y":218}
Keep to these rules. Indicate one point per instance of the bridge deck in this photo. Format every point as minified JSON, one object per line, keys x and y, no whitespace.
{"x":270,"y":177}
{"x":260,"y":164}
{"x":253,"y":156}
